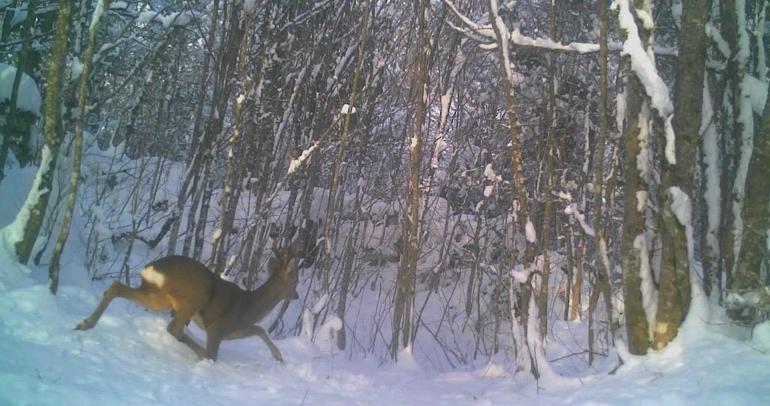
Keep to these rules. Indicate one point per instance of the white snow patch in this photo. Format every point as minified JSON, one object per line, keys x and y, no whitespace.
{"x":641,"y":200}
{"x":530,"y":231}
{"x":29,"y":94}
{"x":297,"y":163}
{"x":14,"y":232}
{"x":179,"y":18}
{"x":98,"y":11}
{"x":346,"y":108}
{"x":758,"y":93}
{"x":760,"y":337}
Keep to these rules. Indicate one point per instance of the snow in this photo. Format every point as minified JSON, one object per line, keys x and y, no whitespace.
{"x":346,"y":108}
{"x":249,"y":6}
{"x":173,"y":19}
{"x":676,"y":12}
{"x":29,"y":93}
{"x":644,"y":68}
{"x":519,"y":39}
{"x":746,"y":120}
{"x":76,"y":68}
{"x":712,"y":190}
{"x":129,"y":358}
{"x":721,"y":44}
{"x":760,"y":338}
{"x":531,"y":234}
{"x":572,"y":209}
{"x":620,"y":109}
{"x":519,"y":274}
{"x":649,"y":291}
{"x":98,"y":11}
{"x":297,"y":163}
{"x":758,"y":93}
{"x":744,"y":51}
{"x":14,"y":232}
{"x":641,"y":200}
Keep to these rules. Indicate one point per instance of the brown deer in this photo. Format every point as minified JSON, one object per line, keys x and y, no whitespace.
{"x":221,"y":308}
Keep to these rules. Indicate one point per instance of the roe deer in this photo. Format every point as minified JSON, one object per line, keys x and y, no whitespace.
{"x":221,"y":308}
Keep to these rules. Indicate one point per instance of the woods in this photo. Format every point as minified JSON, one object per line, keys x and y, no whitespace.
{"x":464,"y":179}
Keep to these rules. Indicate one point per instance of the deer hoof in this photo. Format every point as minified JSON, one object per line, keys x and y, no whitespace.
{"x":86,"y":324}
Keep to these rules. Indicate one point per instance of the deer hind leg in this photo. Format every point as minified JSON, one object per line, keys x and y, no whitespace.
{"x":257,"y":330}
{"x":176,"y":328}
{"x":141,"y":295}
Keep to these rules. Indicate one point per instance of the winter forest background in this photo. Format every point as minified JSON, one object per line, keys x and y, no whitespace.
{"x":546,"y":189}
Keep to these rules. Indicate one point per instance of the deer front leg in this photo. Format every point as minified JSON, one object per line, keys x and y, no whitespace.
{"x":258,"y":331}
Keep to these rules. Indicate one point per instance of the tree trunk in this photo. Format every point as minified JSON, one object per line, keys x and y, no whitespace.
{"x":755,"y":211}
{"x":524,"y":356}
{"x":633,"y":245}
{"x":77,"y":153}
{"x":11,"y":132}
{"x":327,"y":252}
{"x":26,"y":225}
{"x":405,"y":283}
{"x":676,"y":186}
{"x":196,"y":155}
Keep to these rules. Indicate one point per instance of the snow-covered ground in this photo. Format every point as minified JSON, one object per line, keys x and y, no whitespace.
{"x":129,"y":358}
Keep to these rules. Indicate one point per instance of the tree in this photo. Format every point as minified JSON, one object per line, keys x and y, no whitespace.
{"x":77,"y":148}
{"x":676,"y":183}
{"x":756,"y":215}
{"x":26,"y":226}
{"x":407,"y":272}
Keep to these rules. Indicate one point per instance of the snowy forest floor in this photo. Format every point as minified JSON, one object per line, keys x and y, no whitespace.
{"x":129,"y":358}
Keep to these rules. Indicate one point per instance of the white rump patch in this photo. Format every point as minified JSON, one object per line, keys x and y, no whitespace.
{"x":152,"y":276}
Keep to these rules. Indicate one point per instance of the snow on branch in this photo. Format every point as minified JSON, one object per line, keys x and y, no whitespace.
{"x":485,"y":34}
{"x":571,"y":209}
{"x":173,"y":19}
{"x":644,"y":68}
{"x":297,"y":163}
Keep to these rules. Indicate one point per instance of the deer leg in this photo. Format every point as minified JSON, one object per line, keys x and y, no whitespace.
{"x":117,"y":289}
{"x":213,"y":340}
{"x":258,"y":331}
{"x":176,"y":329}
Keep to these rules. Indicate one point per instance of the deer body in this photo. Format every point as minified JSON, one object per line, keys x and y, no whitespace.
{"x":221,"y":308}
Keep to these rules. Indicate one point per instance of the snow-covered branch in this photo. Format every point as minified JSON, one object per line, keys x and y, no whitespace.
{"x":485,"y":35}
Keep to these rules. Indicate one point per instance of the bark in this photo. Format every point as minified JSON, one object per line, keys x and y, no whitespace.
{"x":328,"y":251}
{"x":675,"y":289}
{"x":637,"y":325}
{"x":77,"y":153}
{"x":13,"y":123}
{"x":755,"y":211}
{"x":196,"y":156}
{"x":522,"y":215}
{"x":37,"y":200}
{"x":602,"y":263}
{"x":405,"y":283}
{"x":550,"y":129}
{"x":234,"y":164}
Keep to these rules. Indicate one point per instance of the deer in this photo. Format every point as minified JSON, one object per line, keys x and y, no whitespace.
{"x":192,"y":291}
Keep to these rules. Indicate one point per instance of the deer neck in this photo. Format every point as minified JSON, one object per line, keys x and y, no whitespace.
{"x":262,"y":300}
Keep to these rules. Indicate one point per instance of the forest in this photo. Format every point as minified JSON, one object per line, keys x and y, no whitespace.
{"x":452,"y":201}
